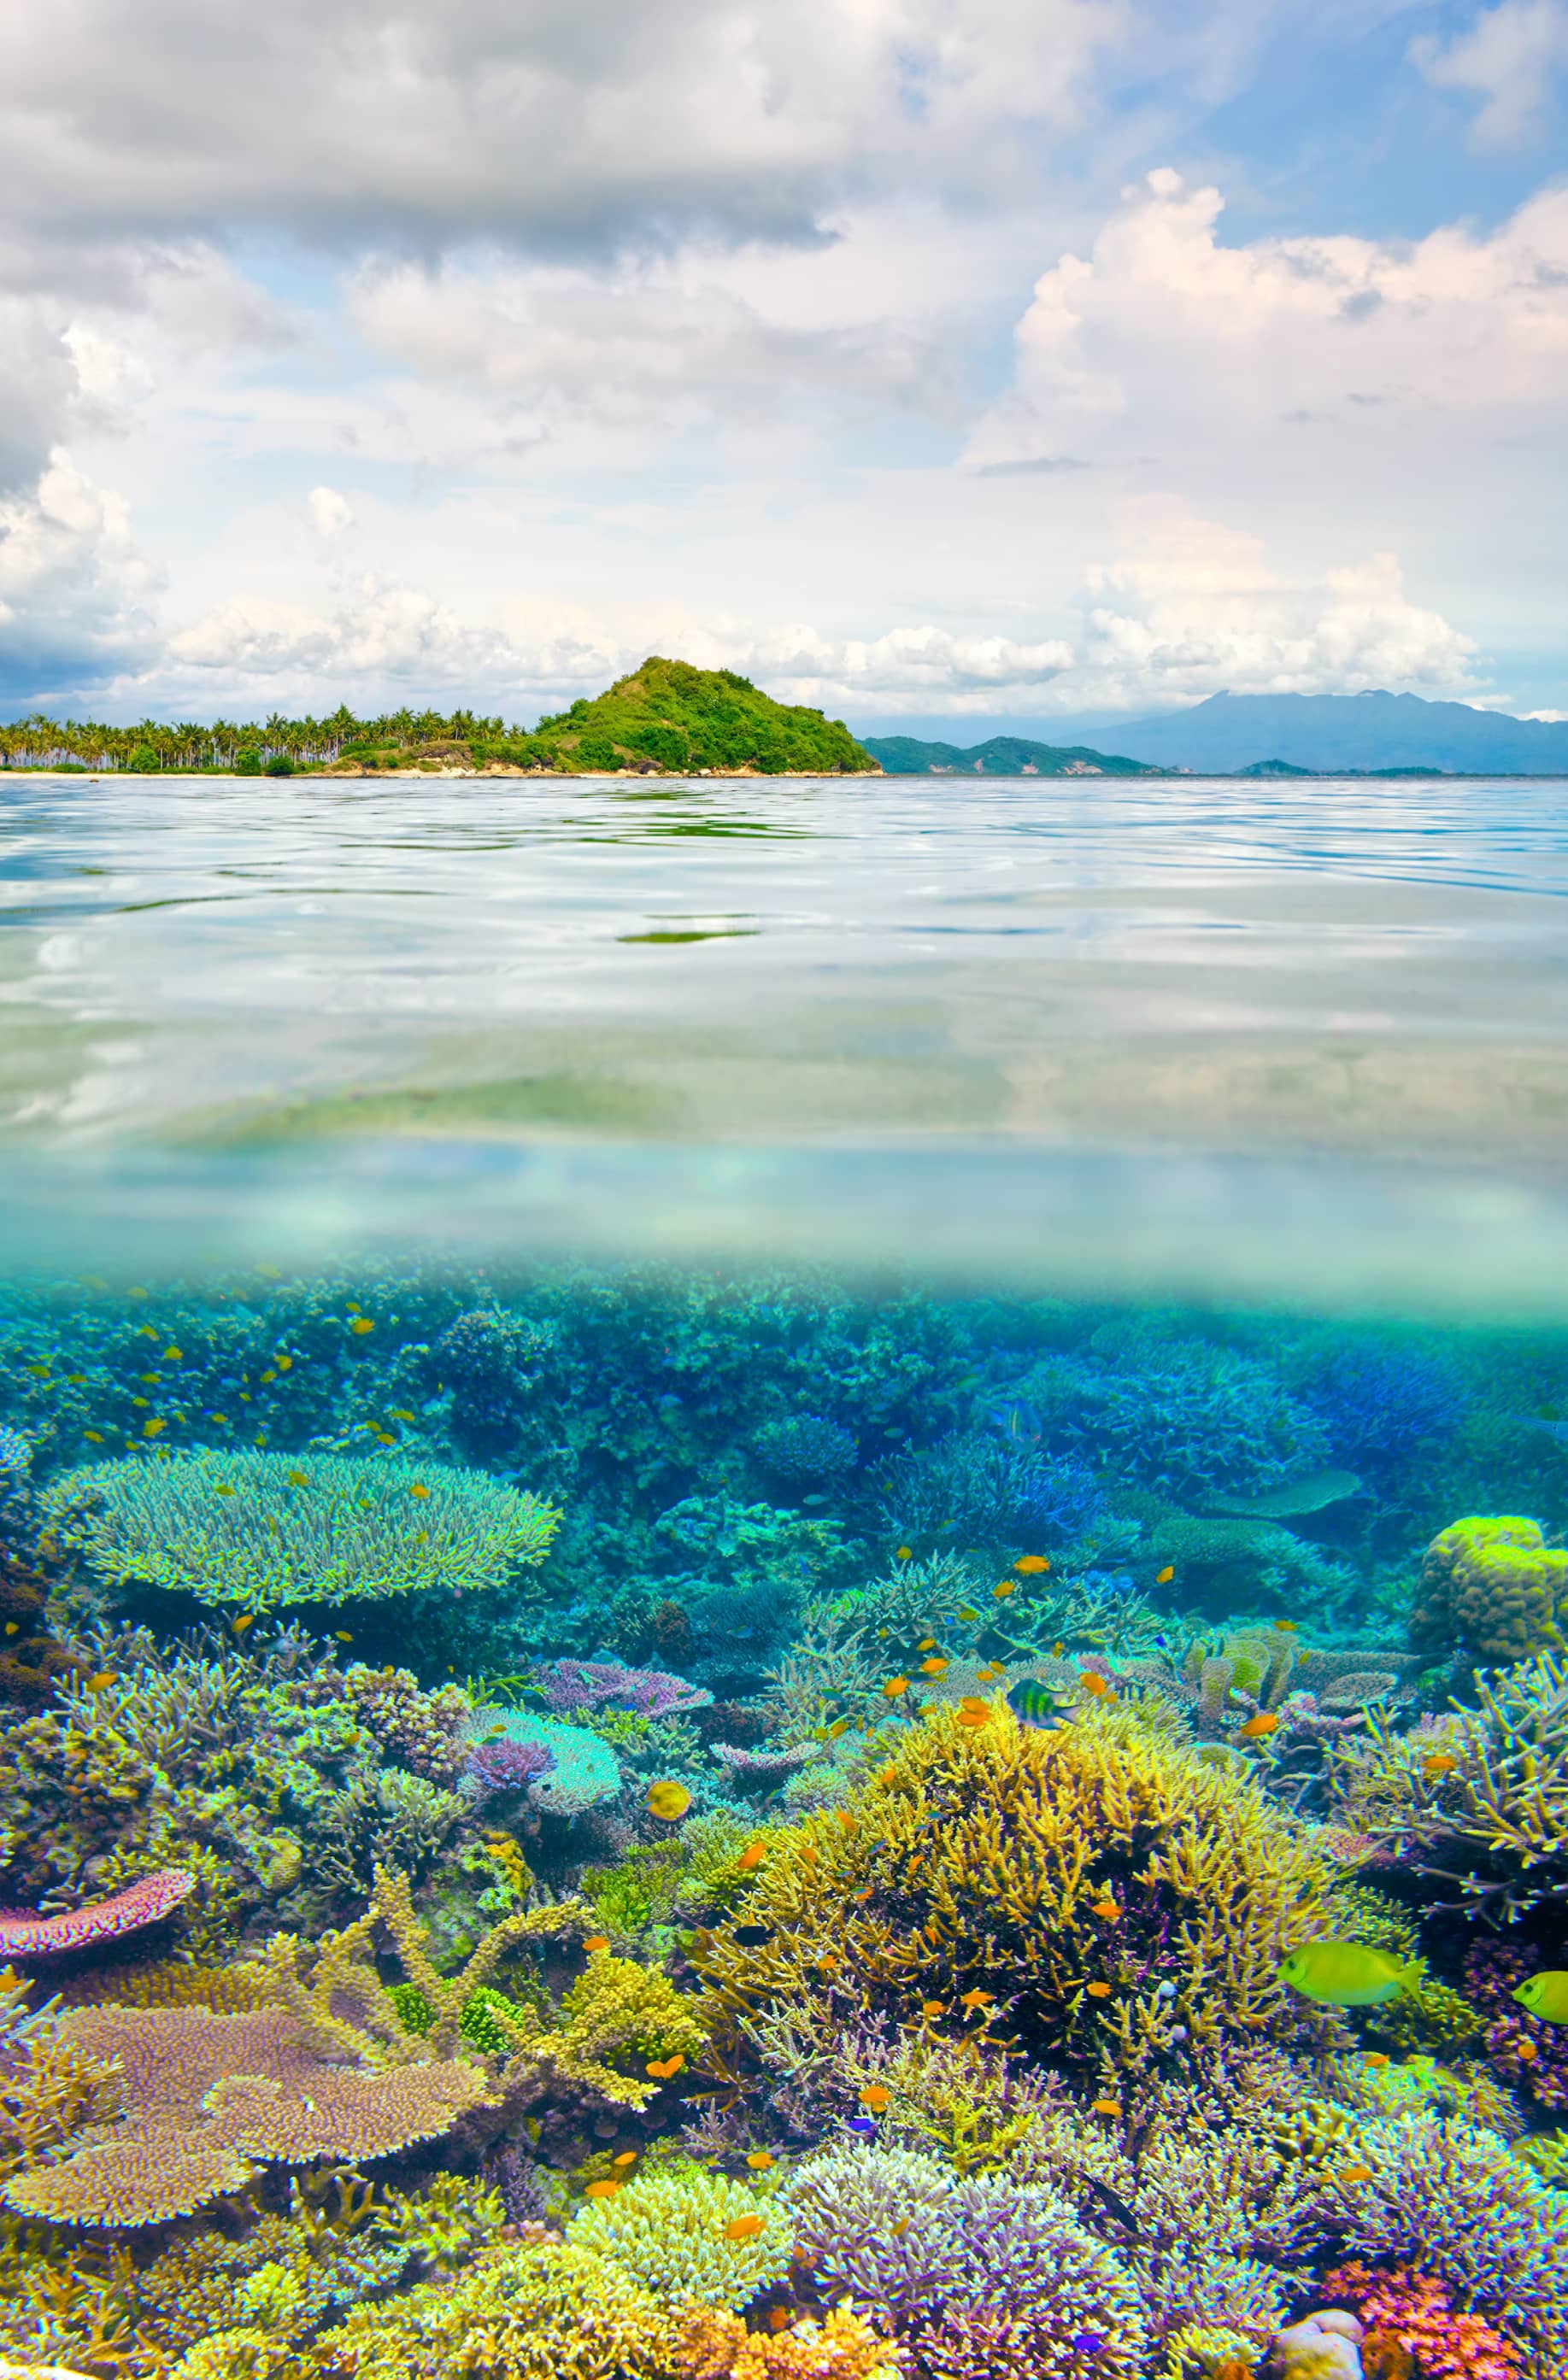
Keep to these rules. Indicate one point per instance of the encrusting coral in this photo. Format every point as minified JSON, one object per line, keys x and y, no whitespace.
{"x":1492,"y":1586}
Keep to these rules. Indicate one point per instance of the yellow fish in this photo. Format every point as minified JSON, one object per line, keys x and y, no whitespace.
{"x":418,"y":1488}
{"x":1546,"y":1996}
{"x":150,"y":1428}
{"x":760,"y":2160}
{"x":400,"y":1412}
{"x":284,"y":1362}
{"x":668,"y":1799}
{"x":297,"y":1478}
{"x":894,"y":1687}
{"x":926,"y":1644}
{"x":1030,"y":1565}
{"x":965,"y":1612}
{"x":95,"y":1435}
{"x":1343,"y":1974}
{"x":13,"y":1627}
{"x":1004,"y":1587}
{"x":341,"y":1637}
{"x":743,"y":2227}
{"x":905,"y":1553}
{"x":246,"y":1620}
{"x":601,"y":2189}
{"x":1163,"y":1577}
{"x":360,"y":1324}
{"x":99,"y":1679}
{"x":628,"y":2157}
{"x":222,"y":1488}
{"x":934,"y":1669}
{"x":1105,"y":2106}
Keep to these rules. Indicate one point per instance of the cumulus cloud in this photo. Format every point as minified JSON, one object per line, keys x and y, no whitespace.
{"x":539,"y":123}
{"x":76,"y":595}
{"x":1508,"y":58}
{"x":329,"y":513}
{"x":1164,"y":345}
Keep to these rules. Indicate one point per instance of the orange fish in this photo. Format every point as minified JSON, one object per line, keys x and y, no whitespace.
{"x":1108,"y":1910}
{"x":1030,"y":1565}
{"x":360,"y":1324}
{"x":1163,"y":1577}
{"x":926,"y":1644}
{"x":1098,"y":1991}
{"x":778,"y":2317}
{"x":1526,"y":2052}
{"x":875,"y":2097}
{"x":987,"y":1673}
{"x":760,"y":2160}
{"x":845,"y":1823}
{"x":628,"y":2157}
{"x":1004,"y":1588}
{"x":809,"y":1853}
{"x":1260,"y":1724}
{"x":934,"y":1669}
{"x":418,"y":1488}
{"x":905,"y":1553}
{"x":601,"y":2189}
{"x":752,"y":1856}
{"x":894,"y":1687}
{"x":1291,"y":1627}
{"x":1093,"y":1683}
{"x":974,"y":2000}
{"x":1439,"y":1764}
{"x":597,"y":1942}
{"x":973,"y":1718}
{"x":888,"y":1776}
{"x":743,"y":2227}
{"x":662,"y":2068}
{"x":933,"y":2008}
{"x":1356,"y":2173}
{"x":1376,"y":2059}
{"x":1105,"y":2106}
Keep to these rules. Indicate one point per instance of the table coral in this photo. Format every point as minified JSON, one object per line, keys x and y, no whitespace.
{"x":249,"y":1526}
{"x":589,"y":1685}
{"x":1491,"y":1587}
{"x":140,"y":1904}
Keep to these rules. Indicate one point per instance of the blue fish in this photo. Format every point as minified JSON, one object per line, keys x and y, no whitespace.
{"x":861,"y":2126}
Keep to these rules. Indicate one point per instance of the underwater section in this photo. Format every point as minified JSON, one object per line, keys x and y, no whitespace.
{"x":629,"y":1822}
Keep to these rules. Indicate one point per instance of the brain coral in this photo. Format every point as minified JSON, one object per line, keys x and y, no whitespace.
{"x":244,"y":1525}
{"x":1492,"y":1586}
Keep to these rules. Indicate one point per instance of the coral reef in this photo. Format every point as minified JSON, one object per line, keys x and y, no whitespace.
{"x":140,"y":1904}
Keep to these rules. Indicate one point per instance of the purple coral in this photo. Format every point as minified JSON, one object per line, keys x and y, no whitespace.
{"x":764,"y":1765}
{"x":1522,"y":2052}
{"x":506,"y":1766}
{"x":568,"y":1685}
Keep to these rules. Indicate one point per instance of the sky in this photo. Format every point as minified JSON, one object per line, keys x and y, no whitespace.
{"x":947,"y":361}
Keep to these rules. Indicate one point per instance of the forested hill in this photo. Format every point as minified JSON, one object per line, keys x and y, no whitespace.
{"x":1003,"y":756}
{"x":665,"y":718}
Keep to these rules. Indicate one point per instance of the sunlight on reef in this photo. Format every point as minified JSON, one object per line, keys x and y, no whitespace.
{"x":639,"y":1823}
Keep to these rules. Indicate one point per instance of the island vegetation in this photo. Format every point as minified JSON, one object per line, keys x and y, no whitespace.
{"x":1002,"y":756}
{"x":666,"y":718}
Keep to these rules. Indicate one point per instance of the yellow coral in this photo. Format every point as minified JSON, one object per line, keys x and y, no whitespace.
{"x":969,"y":1877}
{"x":1492,"y":1586}
{"x":686,"y":2233}
{"x":717,"y":2346}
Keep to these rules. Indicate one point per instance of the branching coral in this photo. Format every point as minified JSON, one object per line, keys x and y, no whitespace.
{"x":1414,"y":2313}
{"x":249,"y":1526}
{"x":981,"y":2275}
{"x":1091,"y":1887}
{"x":562,"y":1769}
{"x":689,"y":2236}
{"x":714,"y":2345}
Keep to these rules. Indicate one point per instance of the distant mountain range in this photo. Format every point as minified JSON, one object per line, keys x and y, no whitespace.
{"x":1003,"y":756}
{"x":1333,"y":733}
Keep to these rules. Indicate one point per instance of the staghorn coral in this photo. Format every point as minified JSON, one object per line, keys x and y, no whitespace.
{"x":715,"y":2345}
{"x":260,"y":1529}
{"x":980,"y":2275}
{"x":979,"y":1491}
{"x":1477,"y":1800}
{"x":977,"y":1860}
{"x":672,"y":2231}
{"x":539,"y":2312}
{"x":1490,"y":1586}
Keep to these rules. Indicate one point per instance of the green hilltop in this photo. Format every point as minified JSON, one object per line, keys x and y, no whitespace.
{"x":666,"y":718}
{"x":1003,"y":756}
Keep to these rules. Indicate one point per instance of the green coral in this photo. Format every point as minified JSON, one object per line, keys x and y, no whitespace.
{"x":1494,"y":1585}
{"x":674,"y":2231}
{"x":249,"y":1526}
{"x":534,"y":2312}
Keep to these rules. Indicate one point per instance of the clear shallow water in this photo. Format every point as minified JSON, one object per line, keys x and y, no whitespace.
{"x":1199,"y":1016}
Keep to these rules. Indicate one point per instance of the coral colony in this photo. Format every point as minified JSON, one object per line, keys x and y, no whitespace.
{"x":643,"y":1826}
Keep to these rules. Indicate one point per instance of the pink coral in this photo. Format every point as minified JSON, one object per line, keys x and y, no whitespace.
{"x":1415,"y":2315}
{"x":24,"y":1936}
{"x":588,"y":1685}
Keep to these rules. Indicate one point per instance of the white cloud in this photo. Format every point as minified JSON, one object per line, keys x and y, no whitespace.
{"x":538,"y":123}
{"x":1508,"y":57}
{"x":75,"y":593}
{"x":329,"y":513}
{"x":1302,"y":354}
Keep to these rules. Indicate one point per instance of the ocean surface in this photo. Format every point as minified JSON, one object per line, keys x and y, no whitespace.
{"x":1146,"y":1028}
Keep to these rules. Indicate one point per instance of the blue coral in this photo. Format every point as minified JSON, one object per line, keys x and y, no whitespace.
{"x":806,"y":1450}
{"x":975,"y":1490}
{"x":1179,"y":1415}
{"x":1379,"y":1402}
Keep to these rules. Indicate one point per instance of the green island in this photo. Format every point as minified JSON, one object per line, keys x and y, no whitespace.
{"x":666,"y":718}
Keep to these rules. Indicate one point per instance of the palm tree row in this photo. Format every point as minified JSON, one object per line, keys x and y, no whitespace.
{"x":40,"y":743}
